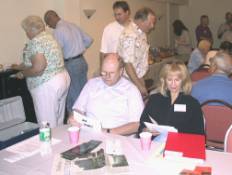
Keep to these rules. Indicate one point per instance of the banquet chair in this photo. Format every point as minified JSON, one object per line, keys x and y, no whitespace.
{"x":228,"y":140}
{"x":218,"y":118}
{"x":200,"y":73}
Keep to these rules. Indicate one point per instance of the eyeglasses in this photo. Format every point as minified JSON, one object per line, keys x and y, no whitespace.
{"x":109,"y":74}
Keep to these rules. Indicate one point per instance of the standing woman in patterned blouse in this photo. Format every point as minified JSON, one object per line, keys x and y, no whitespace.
{"x":43,"y":68}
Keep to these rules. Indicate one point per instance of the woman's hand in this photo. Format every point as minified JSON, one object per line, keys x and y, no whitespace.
{"x":19,"y":75}
{"x":154,"y":132}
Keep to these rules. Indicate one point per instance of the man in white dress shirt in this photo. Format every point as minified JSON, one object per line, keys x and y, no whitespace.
{"x":111,"y":99}
{"x":113,"y":30}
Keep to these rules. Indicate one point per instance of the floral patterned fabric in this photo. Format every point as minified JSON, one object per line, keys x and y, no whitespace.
{"x":43,"y":43}
{"x":133,"y":48}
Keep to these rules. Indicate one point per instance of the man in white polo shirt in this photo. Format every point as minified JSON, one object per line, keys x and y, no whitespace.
{"x":111,"y":99}
{"x":113,"y":30}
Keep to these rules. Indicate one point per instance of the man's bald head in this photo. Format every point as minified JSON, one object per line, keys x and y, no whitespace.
{"x":51,"y":18}
{"x":111,"y":68}
{"x":114,"y":57}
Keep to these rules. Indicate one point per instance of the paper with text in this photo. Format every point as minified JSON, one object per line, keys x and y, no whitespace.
{"x":87,"y":121}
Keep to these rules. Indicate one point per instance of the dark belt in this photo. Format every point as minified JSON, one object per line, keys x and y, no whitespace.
{"x":73,"y":58}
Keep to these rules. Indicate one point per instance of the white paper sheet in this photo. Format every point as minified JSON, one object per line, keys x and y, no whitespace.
{"x":87,"y":122}
{"x":159,"y":128}
{"x":27,"y":148}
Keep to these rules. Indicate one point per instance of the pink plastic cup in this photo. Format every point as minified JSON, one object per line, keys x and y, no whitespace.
{"x":145,"y":140}
{"x":73,"y":133}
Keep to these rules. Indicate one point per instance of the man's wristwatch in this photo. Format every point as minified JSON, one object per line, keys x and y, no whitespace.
{"x":108,"y":130}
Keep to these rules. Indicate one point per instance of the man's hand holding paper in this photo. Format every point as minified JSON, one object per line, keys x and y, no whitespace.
{"x":86,"y":121}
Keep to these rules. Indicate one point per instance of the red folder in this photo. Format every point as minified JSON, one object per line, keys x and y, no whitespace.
{"x":190,"y":145}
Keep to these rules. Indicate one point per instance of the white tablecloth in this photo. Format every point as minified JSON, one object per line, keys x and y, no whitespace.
{"x":138,"y":161}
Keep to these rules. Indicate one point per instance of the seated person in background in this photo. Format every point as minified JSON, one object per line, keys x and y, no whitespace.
{"x":173,"y":105}
{"x":111,"y":99}
{"x":198,"y":55}
{"x":218,"y":85}
{"x":204,"y":69}
{"x":226,"y":46}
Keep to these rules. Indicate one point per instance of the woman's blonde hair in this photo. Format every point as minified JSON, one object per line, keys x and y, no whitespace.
{"x":174,"y":66}
{"x":33,"y":24}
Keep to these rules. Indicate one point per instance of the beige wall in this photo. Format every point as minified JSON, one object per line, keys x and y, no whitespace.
{"x":173,"y":15}
{"x":215,"y":9}
{"x":11,"y":35}
{"x":11,"y":14}
{"x":13,"y":11}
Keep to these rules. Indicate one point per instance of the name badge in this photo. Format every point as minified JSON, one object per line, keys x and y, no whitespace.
{"x":179,"y":107}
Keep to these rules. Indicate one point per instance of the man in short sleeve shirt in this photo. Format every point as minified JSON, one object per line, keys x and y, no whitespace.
{"x":113,"y":30}
{"x":133,"y":47}
{"x":111,"y":99}
{"x":74,"y":42}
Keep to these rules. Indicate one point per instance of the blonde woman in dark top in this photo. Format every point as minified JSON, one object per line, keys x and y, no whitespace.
{"x":173,"y":105}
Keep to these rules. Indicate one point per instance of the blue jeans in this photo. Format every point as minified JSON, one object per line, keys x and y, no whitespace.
{"x":77,"y":69}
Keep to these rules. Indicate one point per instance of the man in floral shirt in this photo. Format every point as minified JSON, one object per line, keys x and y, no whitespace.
{"x":133,"y":47}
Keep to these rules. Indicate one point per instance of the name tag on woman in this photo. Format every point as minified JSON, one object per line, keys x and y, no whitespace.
{"x":179,"y":107}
